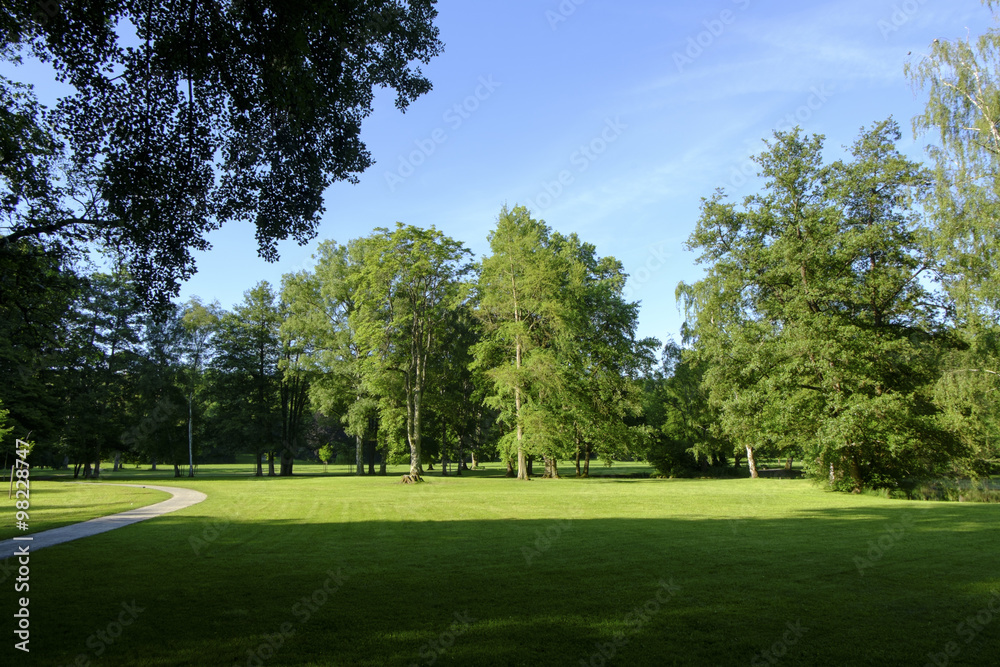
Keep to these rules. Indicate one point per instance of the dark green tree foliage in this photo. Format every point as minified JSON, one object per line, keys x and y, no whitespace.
{"x":453,"y":404}
{"x":183,"y":117}
{"x":245,"y":375}
{"x":155,"y":428}
{"x":295,"y":380}
{"x":102,"y":357}
{"x":37,"y":291}
{"x":814,"y":316}
{"x":680,"y":421}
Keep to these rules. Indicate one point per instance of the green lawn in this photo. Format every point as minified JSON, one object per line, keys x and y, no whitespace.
{"x":336,"y":570}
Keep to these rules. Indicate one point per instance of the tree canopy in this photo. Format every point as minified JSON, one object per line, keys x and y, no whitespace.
{"x":185,"y":117}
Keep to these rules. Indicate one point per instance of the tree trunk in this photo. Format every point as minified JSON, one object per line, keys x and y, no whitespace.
{"x":461,"y":457}
{"x":413,"y":434}
{"x":736,"y":460}
{"x":97,"y":469}
{"x":270,"y":464}
{"x":475,"y":460}
{"x":788,"y":463}
{"x":586,"y":460}
{"x":177,"y":470}
{"x":260,"y":465}
{"x":190,"y":437}
{"x":510,"y":469}
{"x":372,"y":450}
{"x":531,"y":461}
{"x":118,"y":462}
{"x":359,"y":455}
{"x":551,"y":468}
{"x":86,"y":470}
{"x":856,"y":475}
{"x":578,"y":459}
{"x":287,"y":460}
{"x":153,"y":464}
{"x":384,"y":462}
{"x":752,"y":462}
{"x":522,"y":465}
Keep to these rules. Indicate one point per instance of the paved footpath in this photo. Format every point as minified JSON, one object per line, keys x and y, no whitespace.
{"x":181,"y":498}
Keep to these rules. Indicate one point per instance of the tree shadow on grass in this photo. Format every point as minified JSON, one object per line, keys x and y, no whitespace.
{"x":885,"y":584}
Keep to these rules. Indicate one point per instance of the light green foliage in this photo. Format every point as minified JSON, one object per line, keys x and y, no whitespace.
{"x":320,"y":304}
{"x":558,"y":345}
{"x":522,"y":312}
{"x":408,"y":282}
{"x":962,"y":81}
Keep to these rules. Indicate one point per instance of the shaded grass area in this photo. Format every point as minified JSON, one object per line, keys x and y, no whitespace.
{"x":55,"y":504}
{"x":361,"y":571}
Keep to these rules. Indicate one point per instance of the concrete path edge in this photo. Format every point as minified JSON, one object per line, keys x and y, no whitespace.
{"x":180,"y":498}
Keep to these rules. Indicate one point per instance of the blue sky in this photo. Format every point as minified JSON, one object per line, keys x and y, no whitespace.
{"x":613,"y":120}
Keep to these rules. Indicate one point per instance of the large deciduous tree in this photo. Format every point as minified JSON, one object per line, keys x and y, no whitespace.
{"x":520,"y":309}
{"x":815,"y":316}
{"x":185,"y":116}
{"x":409,"y":282}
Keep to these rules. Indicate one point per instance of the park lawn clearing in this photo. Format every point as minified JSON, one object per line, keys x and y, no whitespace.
{"x":57,"y":504}
{"x":335,"y":570}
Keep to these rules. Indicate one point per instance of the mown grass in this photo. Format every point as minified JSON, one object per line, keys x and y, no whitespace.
{"x":551,"y":571}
